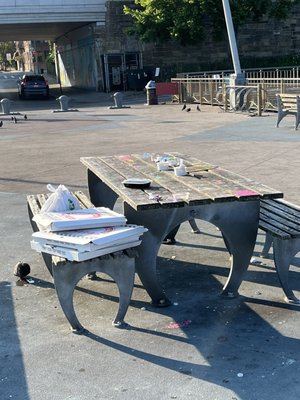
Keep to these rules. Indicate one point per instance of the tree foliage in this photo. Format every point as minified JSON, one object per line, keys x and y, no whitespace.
{"x":184,"y":20}
{"x":5,"y":48}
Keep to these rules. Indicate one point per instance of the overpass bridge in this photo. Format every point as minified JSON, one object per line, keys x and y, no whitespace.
{"x":47,"y":19}
{"x":93,"y":50}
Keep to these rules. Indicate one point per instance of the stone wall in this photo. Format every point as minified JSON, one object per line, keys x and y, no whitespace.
{"x":256,"y":42}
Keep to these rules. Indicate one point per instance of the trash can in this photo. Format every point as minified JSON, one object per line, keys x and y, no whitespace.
{"x":151,"y":93}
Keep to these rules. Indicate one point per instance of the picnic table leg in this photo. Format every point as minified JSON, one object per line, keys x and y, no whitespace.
{"x":100,"y":194}
{"x":67,"y":274}
{"x":267,"y":245}
{"x":238,"y":222}
{"x":158,"y":222}
{"x":284,"y":252}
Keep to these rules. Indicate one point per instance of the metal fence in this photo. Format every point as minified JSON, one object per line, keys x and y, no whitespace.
{"x":257,"y":96}
{"x":251,"y":73}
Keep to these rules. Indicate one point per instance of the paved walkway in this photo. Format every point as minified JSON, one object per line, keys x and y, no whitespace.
{"x":203,"y":347}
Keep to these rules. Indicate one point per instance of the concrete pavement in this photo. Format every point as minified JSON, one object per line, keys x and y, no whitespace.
{"x":202,"y":347}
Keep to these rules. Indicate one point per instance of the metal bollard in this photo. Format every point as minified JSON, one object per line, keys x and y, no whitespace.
{"x":5,"y":103}
{"x":118,"y":98}
{"x":64,"y":102}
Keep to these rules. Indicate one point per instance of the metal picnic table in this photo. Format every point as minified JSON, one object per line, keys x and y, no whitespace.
{"x":208,"y":192}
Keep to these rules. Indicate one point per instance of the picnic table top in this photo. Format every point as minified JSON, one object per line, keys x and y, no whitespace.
{"x":204,"y":183}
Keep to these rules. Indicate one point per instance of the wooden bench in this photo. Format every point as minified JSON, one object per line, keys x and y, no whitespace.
{"x":288,"y":104}
{"x":281,"y":222}
{"x":66,"y":274}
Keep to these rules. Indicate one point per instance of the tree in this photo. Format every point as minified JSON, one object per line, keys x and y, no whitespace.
{"x":185,"y":20}
{"x":6,"y":48}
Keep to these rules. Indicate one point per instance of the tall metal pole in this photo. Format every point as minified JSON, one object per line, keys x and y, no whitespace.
{"x":231,"y":37}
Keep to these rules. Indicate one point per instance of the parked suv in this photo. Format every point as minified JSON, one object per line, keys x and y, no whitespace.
{"x":33,"y":85}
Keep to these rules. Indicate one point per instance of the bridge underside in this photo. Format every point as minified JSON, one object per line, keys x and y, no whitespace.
{"x":38,"y":31}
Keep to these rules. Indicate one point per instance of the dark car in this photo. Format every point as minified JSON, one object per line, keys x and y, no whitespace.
{"x":33,"y":85}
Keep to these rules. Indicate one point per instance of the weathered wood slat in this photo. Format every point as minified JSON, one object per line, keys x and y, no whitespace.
{"x":192,"y":162}
{"x":135,"y":198}
{"x":42,"y":198}
{"x":274,"y":230}
{"x":202,"y":185}
{"x":184,"y":188}
{"x":83,"y":200}
{"x":205,"y":183}
{"x":248,"y":185}
{"x":125,"y":165}
{"x":282,"y":206}
{"x":199,"y":190}
{"x":284,"y":224}
{"x":280,"y":218}
{"x":241,"y":188}
{"x":33,"y":204}
{"x":280,"y":213}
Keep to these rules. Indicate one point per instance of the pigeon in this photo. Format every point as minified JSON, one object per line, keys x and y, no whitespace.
{"x":25,"y":116}
{"x":22,"y":270}
{"x":184,"y":107}
{"x":198,"y":108}
{"x":1,"y":124}
{"x":188,"y":110}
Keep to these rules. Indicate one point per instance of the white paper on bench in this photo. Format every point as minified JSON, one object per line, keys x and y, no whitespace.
{"x":78,"y":219}
{"x":90,"y":239}
{"x":73,"y":255}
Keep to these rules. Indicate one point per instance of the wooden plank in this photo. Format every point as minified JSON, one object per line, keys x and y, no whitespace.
{"x":243,"y":187}
{"x":181,"y":187}
{"x":282,"y":209}
{"x":33,"y":204}
{"x":136,"y":198}
{"x":292,"y":228}
{"x":126,"y":165}
{"x":194,"y":190}
{"x":83,"y":199}
{"x":273,"y":230}
{"x":42,"y":198}
{"x":248,"y":185}
{"x":193,"y":164}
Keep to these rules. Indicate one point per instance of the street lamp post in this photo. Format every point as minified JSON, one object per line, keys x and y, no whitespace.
{"x":238,"y":77}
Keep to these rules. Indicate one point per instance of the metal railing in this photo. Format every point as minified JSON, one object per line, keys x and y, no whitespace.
{"x":251,"y":73}
{"x":257,"y":96}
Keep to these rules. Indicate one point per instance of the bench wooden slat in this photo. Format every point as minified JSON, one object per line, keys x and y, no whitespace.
{"x":273,"y":230}
{"x":282,"y":208}
{"x":280,"y":218}
{"x":284,"y":224}
{"x":83,"y":200}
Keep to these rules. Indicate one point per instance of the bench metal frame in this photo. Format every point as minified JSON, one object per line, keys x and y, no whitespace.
{"x":120,"y":266}
{"x":288,"y":104}
{"x":281,"y":222}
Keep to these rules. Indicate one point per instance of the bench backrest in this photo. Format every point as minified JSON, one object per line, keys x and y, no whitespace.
{"x":288,"y":100}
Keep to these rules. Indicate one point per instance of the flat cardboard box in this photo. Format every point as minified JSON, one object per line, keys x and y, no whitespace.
{"x":90,"y":239}
{"x":78,"y":219}
{"x":73,"y":255}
